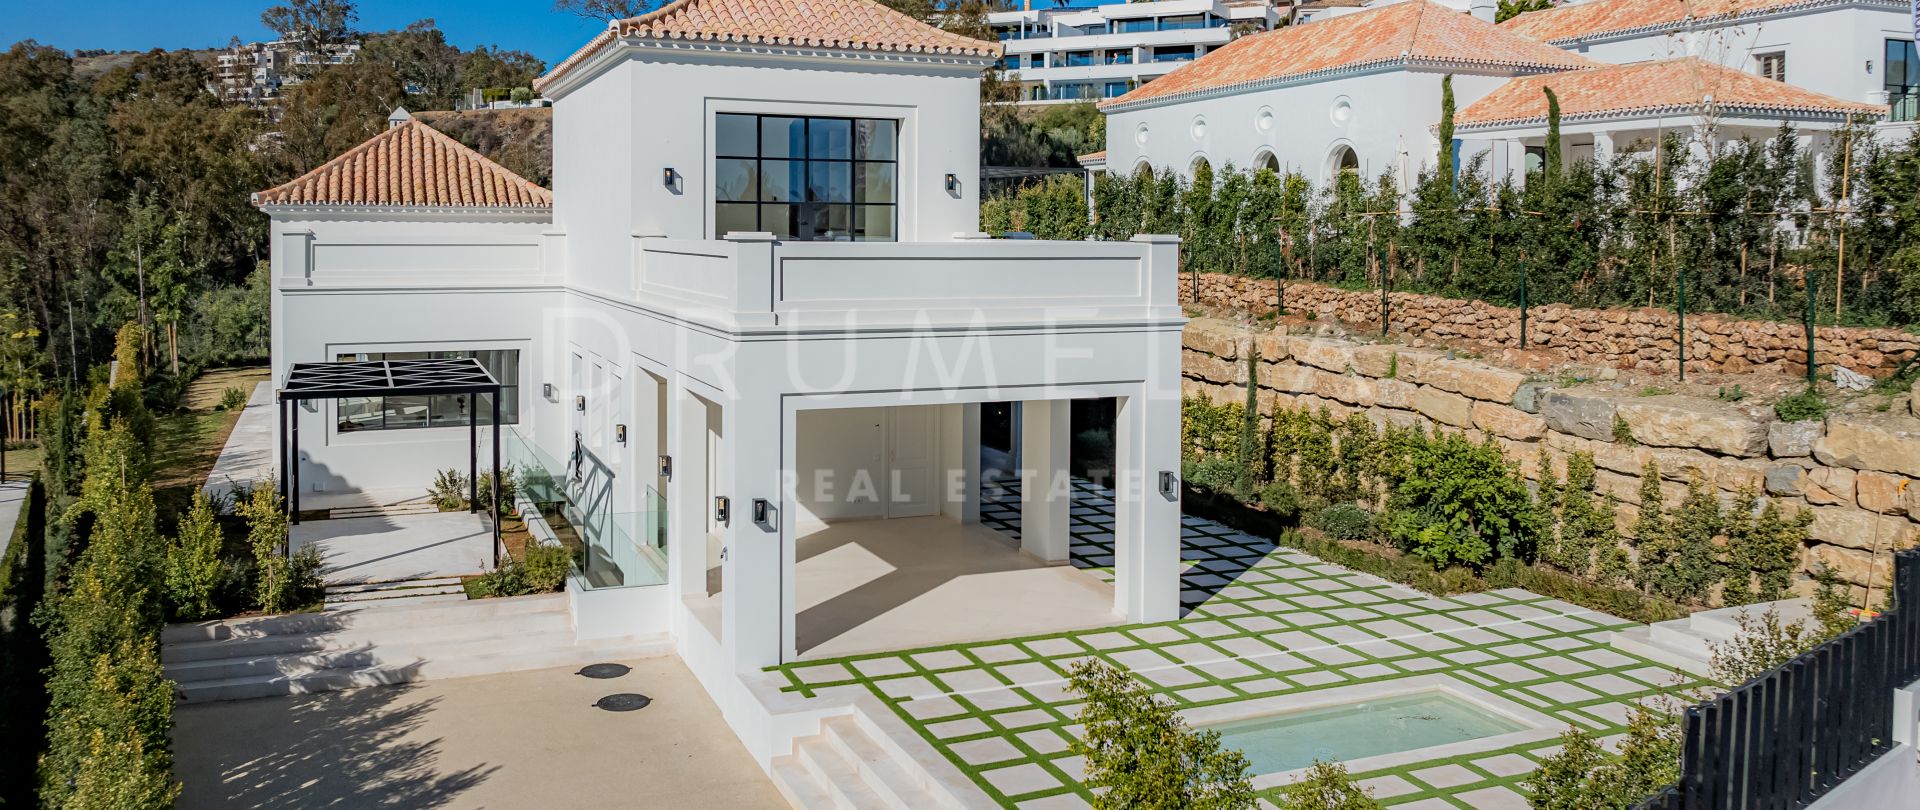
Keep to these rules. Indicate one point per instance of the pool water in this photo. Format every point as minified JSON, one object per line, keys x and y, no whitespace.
{"x":1283,"y":742}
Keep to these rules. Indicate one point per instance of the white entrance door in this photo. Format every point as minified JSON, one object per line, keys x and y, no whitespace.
{"x":913,"y":480}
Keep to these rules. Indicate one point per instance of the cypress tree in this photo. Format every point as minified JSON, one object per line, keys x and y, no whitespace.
{"x":1446,"y":124}
{"x":1550,"y":168}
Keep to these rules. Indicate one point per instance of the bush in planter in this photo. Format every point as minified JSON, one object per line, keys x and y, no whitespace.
{"x":1144,"y":756}
{"x":1344,"y":521}
{"x":545,"y":567}
{"x":509,"y":489}
{"x":1325,"y":786}
{"x":448,"y":491}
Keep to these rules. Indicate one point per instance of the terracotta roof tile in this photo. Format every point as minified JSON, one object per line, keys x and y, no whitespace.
{"x":854,"y":25}
{"x":1674,"y":85}
{"x":410,"y":165}
{"x":1579,"y":20}
{"x":1414,"y":31}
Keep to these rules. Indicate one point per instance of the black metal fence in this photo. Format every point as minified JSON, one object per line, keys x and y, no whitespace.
{"x":1787,"y":737}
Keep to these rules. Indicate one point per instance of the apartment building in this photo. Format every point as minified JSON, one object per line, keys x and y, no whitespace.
{"x":256,"y":72}
{"x":1084,"y":54}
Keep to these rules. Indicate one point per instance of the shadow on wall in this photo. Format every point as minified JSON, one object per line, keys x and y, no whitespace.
{"x":339,"y":749}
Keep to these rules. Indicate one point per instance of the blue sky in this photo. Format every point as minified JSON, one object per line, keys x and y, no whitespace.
{"x":528,"y":25}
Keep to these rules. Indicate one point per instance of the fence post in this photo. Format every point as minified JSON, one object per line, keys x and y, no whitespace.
{"x":1813,"y":373}
{"x":1523,"y":303}
{"x":1682,"y":274}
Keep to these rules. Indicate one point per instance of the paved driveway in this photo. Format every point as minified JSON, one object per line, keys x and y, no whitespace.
{"x":524,"y":739}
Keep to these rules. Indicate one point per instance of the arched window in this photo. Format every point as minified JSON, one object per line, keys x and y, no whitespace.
{"x":1198,"y":162}
{"x":1344,"y":159}
{"x":1266,"y":160}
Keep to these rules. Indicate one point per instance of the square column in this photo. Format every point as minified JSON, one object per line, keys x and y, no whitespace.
{"x":960,"y":461}
{"x":755,"y":605}
{"x":1046,"y":489}
{"x":1146,"y":539}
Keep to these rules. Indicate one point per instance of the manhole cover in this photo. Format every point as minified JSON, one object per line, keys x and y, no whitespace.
{"x":624,"y":702}
{"x":601,"y":672}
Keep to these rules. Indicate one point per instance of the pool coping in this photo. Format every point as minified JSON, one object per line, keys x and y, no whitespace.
{"x":1540,"y":727}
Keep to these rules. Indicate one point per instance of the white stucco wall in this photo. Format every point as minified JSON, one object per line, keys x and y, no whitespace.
{"x":1388,"y":120}
{"x":1828,"y":49}
{"x":615,"y":135}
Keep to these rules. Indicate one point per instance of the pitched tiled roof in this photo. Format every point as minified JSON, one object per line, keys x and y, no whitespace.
{"x":1673,"y":86}
{"x":851,"y":25}
{"x":1580,"y":20}
{"x":411,"y":165}
{"x":1410,"y":32}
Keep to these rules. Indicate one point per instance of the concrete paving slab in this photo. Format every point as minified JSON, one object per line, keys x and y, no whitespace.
{"x":398,"y":547}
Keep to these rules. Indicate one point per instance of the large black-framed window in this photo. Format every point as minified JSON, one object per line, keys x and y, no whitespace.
{"x":813,"y":179}
{"x":356,"y":414}
{"x":1901,"y":73}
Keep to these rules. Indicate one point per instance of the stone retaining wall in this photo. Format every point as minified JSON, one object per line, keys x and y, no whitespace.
{"x":1620,"y":338}
{"x":1854,"y":471}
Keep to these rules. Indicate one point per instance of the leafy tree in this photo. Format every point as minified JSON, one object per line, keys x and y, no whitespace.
{"x":336,"y":110}
{"x":605,"y":9}
{"x":1142,"y":756}
{"x":425,"y":63}
{"x":1510,"y":9}
{"x":1680,"y":561}
{"x":193,"y":563}
{"x":1460,"y":503}
{"x":312,"y":24}
{"x":267,"y":536}
{"x":1580,"y":776}
{"x":1763,"y":548}
{"x":1325,"y":786}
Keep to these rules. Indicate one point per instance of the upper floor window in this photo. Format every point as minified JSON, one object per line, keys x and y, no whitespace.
{"x":1901,"y":80}
{"x":806,"y":179}
{"x":445,"y":410}
{"x":1119,"y":56}
{"x":1177,"y":53}
{"x":1184,"y":21}
{"x":1079,"y":58}
{"x":1133,"y":26}
{"x":1771,"y":65}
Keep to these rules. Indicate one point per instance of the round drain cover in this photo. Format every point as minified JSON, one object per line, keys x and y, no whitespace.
{"x":624,"y":702}
{"x":601,"y":672}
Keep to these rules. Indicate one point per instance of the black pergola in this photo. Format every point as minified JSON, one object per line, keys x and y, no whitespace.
{"x":389,"y":378}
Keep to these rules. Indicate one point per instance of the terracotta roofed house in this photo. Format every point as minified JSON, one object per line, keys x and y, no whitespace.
{"x":1357,"y":92}
{"x":1858,"y":50}
{"x":1626,"y":108}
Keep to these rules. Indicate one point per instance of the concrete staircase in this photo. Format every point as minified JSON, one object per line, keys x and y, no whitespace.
{"x":356,"y":644}
{"x":848,"y":766}
{"x":1686,"y":643}
{"x":406,"y":591}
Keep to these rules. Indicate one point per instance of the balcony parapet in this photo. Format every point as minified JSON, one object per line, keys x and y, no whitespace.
{"x":750,"y":282}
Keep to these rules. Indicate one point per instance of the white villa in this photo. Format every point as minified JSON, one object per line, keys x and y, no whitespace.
{"x":1359,"y":91}
{"x":748,"y":335}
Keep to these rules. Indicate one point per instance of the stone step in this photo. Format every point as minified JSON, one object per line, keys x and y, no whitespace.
{"x":324,"y":655}
{"x":898,"y":788}
{"x":364,"y":587}
{"x":1692,"y":658}
{"x":798,"y":786}
{"x":365,"y":618}
{"x":1724,"y":623}
{"x":390,"y":594}
{"x":431,"y":626}
{"x":843,"y":781}
{"x":528,"y":657}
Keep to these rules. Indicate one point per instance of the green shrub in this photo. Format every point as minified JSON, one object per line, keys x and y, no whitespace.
{"x":1344,"y":521}
{"x":507,"y":580}
{"x":1325,"y":786}
{"x":234,"y":397}
{"x":274,"y":583}
{"x":449,"y":491}
{"x":1280,"y":498}
{"x":1461,"y":503}
{"x":194,"y":568}
{"x":1805,"y":406}
{"x":1734,"y":394}
{"x":1678,"y":558}
{"x":1581,"y":777}
{"x":546,"y":567}
{"x":1140,"y":754}
{"x":509,"y":489}
{"x":1623,"y":432}
{"x":1217,"y":474}
{"x":1762,"y":550}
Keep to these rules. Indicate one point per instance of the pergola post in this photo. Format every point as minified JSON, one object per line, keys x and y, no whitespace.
{"x":473,"y":453}
{"x":293,"y":466}
{"x":496,"y":478}
{"x":280,"y":481}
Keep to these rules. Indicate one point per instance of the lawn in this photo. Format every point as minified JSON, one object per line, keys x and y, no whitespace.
{"x":187,"y":443}
{"x":1265,"y":621}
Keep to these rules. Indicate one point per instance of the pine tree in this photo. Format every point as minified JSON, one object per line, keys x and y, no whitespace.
{"x":1446,"y":127}
{"x":1550,"y":166}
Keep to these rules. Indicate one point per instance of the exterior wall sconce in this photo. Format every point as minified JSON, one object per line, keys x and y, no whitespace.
{"x":666,"y":467}
{"x":580,"y":403}
{"x":953,"y":184}
{"x":763,"y":513}
{"x":1169,"y":487}
{"x":722,"y":509}
{"x":546,"y":391}
{"x":620,"y":434}
{"x":669,"y":177}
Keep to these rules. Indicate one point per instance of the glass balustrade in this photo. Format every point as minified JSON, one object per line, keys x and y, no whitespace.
{"x":576,"y":503}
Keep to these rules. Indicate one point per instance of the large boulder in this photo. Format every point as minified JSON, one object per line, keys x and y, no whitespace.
{"x":1582,"y":414}
{"x":1377,"y":360}
{"x":1473,"y":380}
{"x":1854,"y":566}
{"x":1887,"y":494}
{"x":1508,"y":423}
{"x":1394,"y":394}
{"x":1212,"y":369}
{"x":1678,"y":421}
{"x":1527,"y":396}
{"x":1885,"y":442}
{"x":1215,"y":337}
{"x":1854,"y":528}
{"x":1828,"y":486}
{"x":1444,"y":407}
{"x":1793,"y":439}
{"x":1321,"y":353}
{"x":1287,"y":378}
{"x":1347,"y":388}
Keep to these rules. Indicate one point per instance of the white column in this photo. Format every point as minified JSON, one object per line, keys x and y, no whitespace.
{"x":1146,"y":520}
{"x":754,"y":604}
{"x":687,"y":492}
{"x":960,"y":461}
{"x":1603,"y":148}
{"x":1046,"y":492}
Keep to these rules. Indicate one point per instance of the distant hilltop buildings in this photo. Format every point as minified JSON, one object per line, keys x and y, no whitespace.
{"x":256,"y":73}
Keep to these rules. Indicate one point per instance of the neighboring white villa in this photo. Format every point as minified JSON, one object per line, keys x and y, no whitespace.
{"x":1360,"y":91}
{"x":750,"y":331}
{"x":1081,"y":54}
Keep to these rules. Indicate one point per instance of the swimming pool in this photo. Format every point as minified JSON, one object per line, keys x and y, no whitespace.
{"x":1349,"y":731}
